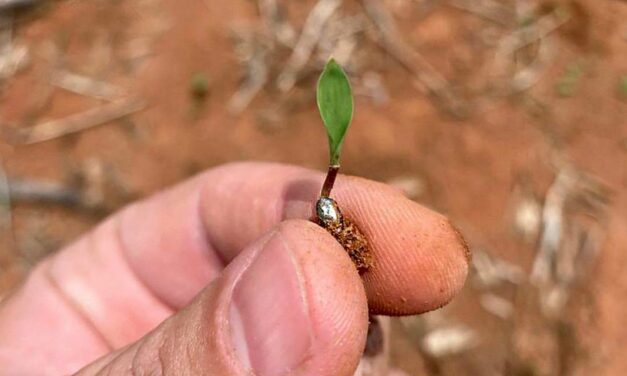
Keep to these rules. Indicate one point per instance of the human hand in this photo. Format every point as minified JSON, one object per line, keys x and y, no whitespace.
{"x":223,"y":275}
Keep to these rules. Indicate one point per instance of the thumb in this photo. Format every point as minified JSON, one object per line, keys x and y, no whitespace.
{"x":291,"y":302}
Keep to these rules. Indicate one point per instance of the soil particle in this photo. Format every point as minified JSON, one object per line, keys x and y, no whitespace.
{"x":463,"y":242}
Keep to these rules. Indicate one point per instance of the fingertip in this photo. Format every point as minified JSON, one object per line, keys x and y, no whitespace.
{"x":421,"y":259}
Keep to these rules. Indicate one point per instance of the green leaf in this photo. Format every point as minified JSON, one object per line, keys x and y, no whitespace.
{"x":335,"y":103}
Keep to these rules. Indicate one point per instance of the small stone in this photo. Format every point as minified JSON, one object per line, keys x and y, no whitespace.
{"x":327,"y":210}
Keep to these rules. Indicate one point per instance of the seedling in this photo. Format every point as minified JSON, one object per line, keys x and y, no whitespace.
{"x":199,"y":86}
{"x":622,"y":87}
{"x":199,"y":90}
{"x":569,"y":81}
{"x":335,"y":103}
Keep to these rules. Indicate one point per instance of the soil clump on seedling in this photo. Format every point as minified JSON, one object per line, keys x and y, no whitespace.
{"x":335,"y":103}
{"x":346,"y":233}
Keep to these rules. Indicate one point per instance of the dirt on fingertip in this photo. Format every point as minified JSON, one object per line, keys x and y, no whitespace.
{"x":462,"y":240}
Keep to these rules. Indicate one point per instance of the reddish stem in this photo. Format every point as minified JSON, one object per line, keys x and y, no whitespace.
{"x":329,"y":181}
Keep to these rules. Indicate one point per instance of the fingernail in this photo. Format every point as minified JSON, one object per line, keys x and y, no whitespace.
{"x":269,"y":316}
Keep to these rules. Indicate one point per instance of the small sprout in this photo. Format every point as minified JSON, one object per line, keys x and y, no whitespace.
{"x":335,"y":103}
{"x":622,"y":87}
{"x":569,"y":82}
{"x":527,"y":20}
{"x":199,"y":86}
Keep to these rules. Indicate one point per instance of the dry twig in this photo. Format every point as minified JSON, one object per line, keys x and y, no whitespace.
{"x":78,"y":122}
{"x":272,"y":15}
{"x":529,"y":75}
{"x":339,"y":38}
{"x":449,"y":341}
{"x":391,"y":39}
{"x":252,"y":54}
{"x":527,"y":35}
{"x":497,"y":306}
{"x":7,"y":241}
{"x":437,"y":336}
{"x":492,"y":271}
{"x":6,"y":221}
{"x":572,"y":234}
{"x":504,"y":66}
{"x":312,"y":31}
{"x":30,"y":191}
{"x":12,"y":58}
{"x":84,"y":85}
{"x":489,"y":10}
{"x":14,"y":4}
{"x":552,"y":224}
{"x":37,"y":191}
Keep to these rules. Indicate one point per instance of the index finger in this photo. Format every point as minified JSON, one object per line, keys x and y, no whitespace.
{"x":160,"y":252}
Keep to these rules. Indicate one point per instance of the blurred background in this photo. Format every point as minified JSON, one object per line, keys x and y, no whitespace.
{"x":509,"y":116}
